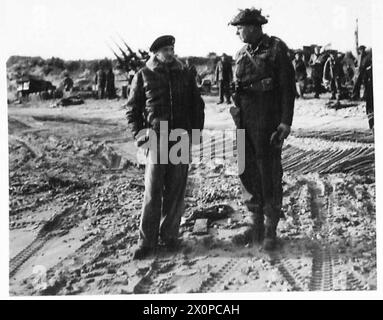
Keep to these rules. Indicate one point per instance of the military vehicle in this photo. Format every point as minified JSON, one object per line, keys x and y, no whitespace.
{"x":30,"y":84}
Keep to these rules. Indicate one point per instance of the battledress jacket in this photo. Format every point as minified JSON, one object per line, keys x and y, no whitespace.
{"x":224,"y":71}
{"x":270,"y":99}
{"x":164,"y":94}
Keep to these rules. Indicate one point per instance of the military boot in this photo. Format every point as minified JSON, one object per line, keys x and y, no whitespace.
{"x":254,"y":231}
{"x":142,"y":252}
{"x":272,"y":218}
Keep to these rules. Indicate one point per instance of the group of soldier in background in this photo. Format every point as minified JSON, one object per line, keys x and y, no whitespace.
{"x":331,"y":71}
{"x":104,"y":82}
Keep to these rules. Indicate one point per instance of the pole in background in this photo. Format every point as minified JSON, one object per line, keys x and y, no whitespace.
{"x":356,"y":37}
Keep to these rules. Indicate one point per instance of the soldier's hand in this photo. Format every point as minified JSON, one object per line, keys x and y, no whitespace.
{"x":274,"y":140}
{"x":355,"y":96}
{"x":238,"y":86}
{"x":141,"y":140}
{"x":283,"y":131}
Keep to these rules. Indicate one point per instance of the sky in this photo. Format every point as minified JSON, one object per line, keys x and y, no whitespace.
{"x":83,"y":29}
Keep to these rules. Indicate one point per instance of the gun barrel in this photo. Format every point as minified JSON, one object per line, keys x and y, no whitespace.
{"x":126,"y":45}
{"x":126,"y":57}
{"x":115,"y":54}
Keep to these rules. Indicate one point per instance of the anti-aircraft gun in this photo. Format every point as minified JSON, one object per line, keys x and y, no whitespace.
{"x":129,"y":62}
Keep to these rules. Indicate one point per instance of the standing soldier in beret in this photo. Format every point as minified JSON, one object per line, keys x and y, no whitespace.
{"x":333,"y":74}
{"x":100,"y":81}
{"x":264,"y":97}
{"x":316,"y":71}
{"x":364,"y":77}
{"x":300,"y":73}
{"x":223,"y":77}
{"x":162,"y":91}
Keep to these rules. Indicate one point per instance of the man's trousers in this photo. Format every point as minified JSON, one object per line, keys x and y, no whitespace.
{"x":163,"y":205}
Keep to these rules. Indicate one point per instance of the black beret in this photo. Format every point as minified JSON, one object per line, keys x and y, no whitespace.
{"x":249,"y":16}
{"x":161,"y":42}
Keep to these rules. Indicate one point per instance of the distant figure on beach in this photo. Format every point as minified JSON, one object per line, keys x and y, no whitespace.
{"x":223,"y":77}
{"x":100,"y":82}
{"x":300,"y":73}
{"x":110,"y":87}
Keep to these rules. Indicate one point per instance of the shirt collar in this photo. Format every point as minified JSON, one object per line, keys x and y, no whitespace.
{"x":264,"y":43}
